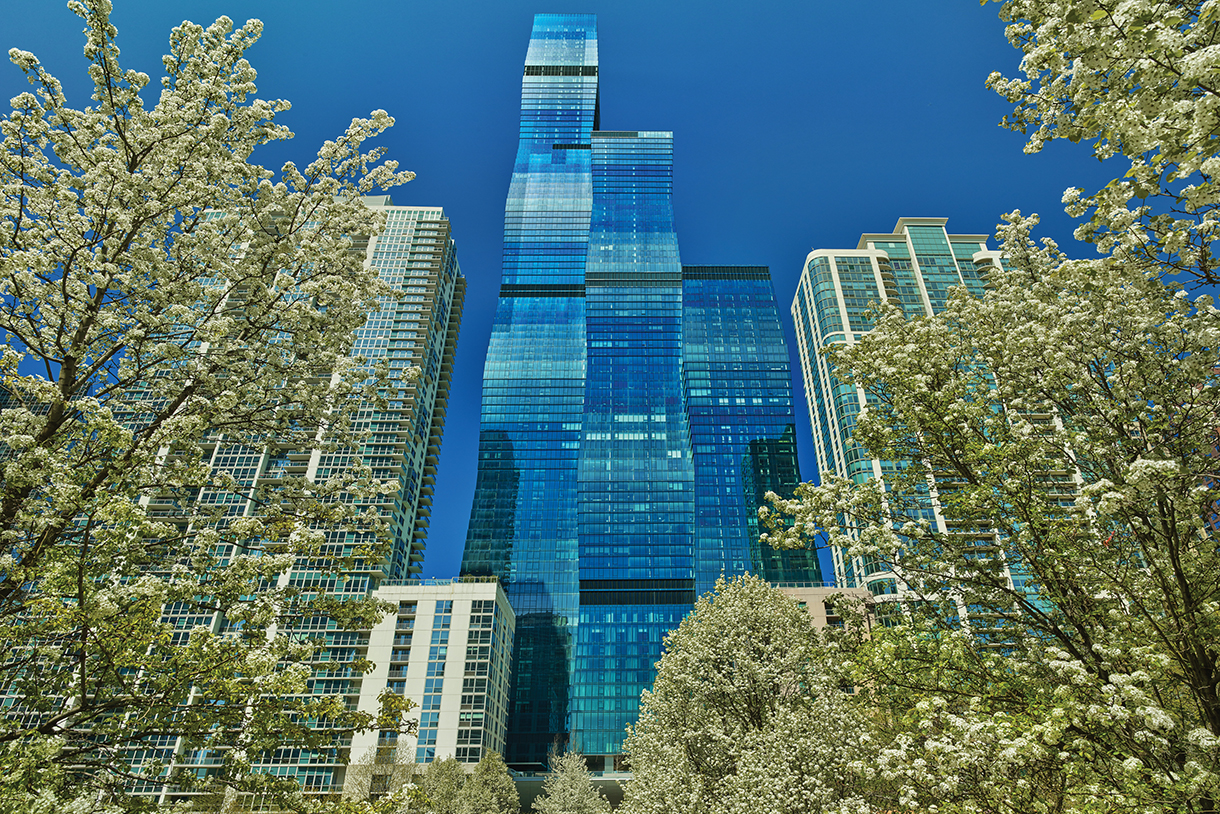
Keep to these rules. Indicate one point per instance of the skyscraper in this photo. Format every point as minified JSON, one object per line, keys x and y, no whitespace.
{"x":914,"y":266}
{"x":416,"y":255}
{"x":416,"y":326}
{"x":633,"y":409}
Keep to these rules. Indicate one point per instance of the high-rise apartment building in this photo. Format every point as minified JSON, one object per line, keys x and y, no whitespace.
{"x":915,"y":266}
{"x":418,"y":326}
{"x":416,"y":255}
{"x":634,"y":411}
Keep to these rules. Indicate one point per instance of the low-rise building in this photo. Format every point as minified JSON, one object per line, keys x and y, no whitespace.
{"x":447,"y":647}
{"x":819,"y":600}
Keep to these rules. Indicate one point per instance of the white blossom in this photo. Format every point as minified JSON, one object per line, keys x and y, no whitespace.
{"x":743,"y":716}
{"x":164,"y":292}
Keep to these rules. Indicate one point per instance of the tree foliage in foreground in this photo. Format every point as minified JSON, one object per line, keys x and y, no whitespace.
{"x":489,"y":789}
{"x":169,"y":293}
{"x":442,"y":784}
{"x":1063,"y":654}
{"x":745,"y":715}
{"x":568,"y":788}
{"x":1139,"y":79}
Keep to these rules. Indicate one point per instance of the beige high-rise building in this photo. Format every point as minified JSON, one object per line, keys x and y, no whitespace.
{"x":447,"y":647}
{"x":418,"y":326}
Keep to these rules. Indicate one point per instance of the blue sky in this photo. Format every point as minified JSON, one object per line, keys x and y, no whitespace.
{"x":796,"y":125}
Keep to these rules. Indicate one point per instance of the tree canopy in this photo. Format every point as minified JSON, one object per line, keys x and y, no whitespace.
{"x":1053,"y":524}
{"x":167,"y":306}
{"x":569,"y":789}
{"x":1050,"y":502}
{"x":489,"y":789}
{"x":744,"y":713}
{"x":442,"y":784}
{"x":1140,"y":80}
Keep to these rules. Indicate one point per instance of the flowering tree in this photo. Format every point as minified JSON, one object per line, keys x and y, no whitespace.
{"x":442,"y":785}
{"x":569,"y":789}
{"x":1052,"y":504}
{"x":165,"y":303}
{"x":1063,"y":429}
{"x":1140,"y":79}
{"x":489,"y":789}
{"x":745,"y":715}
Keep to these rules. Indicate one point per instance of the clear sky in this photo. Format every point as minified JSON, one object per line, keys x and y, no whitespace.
{"x":797,"y":125}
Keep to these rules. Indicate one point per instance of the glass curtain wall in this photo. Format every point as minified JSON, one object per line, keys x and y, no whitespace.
{"x":738,"y":387}
{"x":523,"y":524}
{"x":590,"y":501}
{"x":636,"y":496}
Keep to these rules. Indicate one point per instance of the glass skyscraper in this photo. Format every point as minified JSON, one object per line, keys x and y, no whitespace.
{"x":634,"y":412}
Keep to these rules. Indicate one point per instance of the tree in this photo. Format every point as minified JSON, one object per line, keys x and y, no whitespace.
{"x":32,"y":783}
{"x":385,"y":779}
{"x":1064,"y":430}
{"x":745,"y":714}
{"x":568,"y":788}
{"x":1053,"y":499}
{"x":490,"y":789}
{"x":165,"y":299}
{"x":442,"y":784}
{"x":1138,"y":78}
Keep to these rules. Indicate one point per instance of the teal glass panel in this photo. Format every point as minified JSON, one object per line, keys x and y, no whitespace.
{"x":936,"y":263}
{"x":825,"y":301}
{"x":860,"y":291}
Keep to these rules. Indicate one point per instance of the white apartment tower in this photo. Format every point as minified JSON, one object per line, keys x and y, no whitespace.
{"x":414,"y":326}
{"x":914,"y":266}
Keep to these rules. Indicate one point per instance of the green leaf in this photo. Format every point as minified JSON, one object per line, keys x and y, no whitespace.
{"x":1097,"y":15}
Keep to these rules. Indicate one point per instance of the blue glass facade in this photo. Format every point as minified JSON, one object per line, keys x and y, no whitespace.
{"x":633,"y":412}
{"x":738,"y":390}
